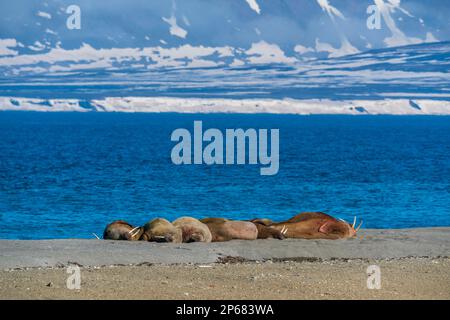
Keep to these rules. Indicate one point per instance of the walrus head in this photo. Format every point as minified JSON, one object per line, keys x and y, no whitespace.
{"x":161,"y":230}
{"x":122,"y":230}
{"x":342,"y":228}
{"x":135,"y":233}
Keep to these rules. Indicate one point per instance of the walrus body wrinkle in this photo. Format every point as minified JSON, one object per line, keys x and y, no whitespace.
{"x":161,"y":230}
{"x":225,"y":230}
{"x":122,"y":230}
{"x":193,"y":230}
{"x":316,"y":225}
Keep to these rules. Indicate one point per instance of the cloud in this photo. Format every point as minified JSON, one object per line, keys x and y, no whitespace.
{"x":346,"y":47}
{"x":37,"y":46}
{"x":45,"y":15}
{"x":175,"y":30}
{"x":332,"y":11}
{"x":5,"y":45}
{"x":397,"y":38}
{"x":302,"y":49}
{"x":254,"y":6}
{"x":264,"y":53}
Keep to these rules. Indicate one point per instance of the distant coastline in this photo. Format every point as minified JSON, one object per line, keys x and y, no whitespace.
{"x":222,"y":105}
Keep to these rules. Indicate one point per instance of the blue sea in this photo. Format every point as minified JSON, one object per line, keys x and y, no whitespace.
{"x":66,"y":175}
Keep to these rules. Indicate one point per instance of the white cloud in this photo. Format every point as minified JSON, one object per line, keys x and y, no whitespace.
{"x":263,"y":52}
{"x":87,"y":57}
{"x":345,"y":49}
{"x":254,"y":6}
{"x":50,"y":31}
{"x":37,"y":46}
{"x":302,"y":49}
{"x":398,"y":38}
{"x":431,"y":38}
{"x":175,"y":30}
{"x":5,"y":45}
{"x":45,"y":15}
{"x":186,"y":21}
{"x":328,"y":8}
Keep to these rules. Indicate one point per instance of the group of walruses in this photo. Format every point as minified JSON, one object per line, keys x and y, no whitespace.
{"x":306,"y":225}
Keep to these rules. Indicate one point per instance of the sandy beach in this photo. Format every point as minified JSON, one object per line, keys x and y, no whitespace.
{"x":414,"y":264}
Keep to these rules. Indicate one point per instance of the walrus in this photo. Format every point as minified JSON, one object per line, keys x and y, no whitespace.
{"x":161,"y":230}
{"x":266,"y":232}
{"x":193,"y":230}
{"x":317,"y":225}
{"x":122,"y":230}
{"x":263,"y":221}
{"x":225,"y":230}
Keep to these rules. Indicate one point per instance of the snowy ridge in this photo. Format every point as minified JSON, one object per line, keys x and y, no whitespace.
{"x":207,"y":105}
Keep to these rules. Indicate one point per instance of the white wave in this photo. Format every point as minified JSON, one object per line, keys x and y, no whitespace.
{"x":207,"y":105}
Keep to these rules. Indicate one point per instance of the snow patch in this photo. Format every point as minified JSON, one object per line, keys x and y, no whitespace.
{"x":199,"y":105}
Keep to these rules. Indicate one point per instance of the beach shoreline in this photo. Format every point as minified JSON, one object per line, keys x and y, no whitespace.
{"x":414,"y":264}
{"x":369,"y":244}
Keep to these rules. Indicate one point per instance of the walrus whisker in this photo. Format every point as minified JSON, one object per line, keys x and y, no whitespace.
{"x":96,"y":236}
{"x":359,"y":226}
{"x":354,"y":222}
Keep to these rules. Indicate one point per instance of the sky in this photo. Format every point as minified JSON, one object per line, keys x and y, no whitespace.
{"x":34,"y":35}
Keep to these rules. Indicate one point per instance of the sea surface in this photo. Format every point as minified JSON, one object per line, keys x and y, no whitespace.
{"x":66,"y":175}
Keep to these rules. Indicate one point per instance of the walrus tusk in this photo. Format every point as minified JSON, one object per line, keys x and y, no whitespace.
{"x":96,"y":236}
{"x":159,"y":237}
{"x":284,"y":230}
{"x":354,"y":222}
{"x":132,"y":231}
{"x":359,"y":226}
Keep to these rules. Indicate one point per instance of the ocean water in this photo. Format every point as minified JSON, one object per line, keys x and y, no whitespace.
{"x":66,"y":175}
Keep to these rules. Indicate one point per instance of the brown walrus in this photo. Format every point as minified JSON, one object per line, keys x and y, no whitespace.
{"x":266,"y":232}
{"x":317,"y":225}
{"x":161,"y":230}
{"x":263,"y":221}
{"x":225,"y":230}
{"x":193,"y":230}
{"x":122,"y":230}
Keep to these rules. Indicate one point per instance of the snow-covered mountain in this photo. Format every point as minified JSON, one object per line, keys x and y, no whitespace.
{"x":268,"y":55}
